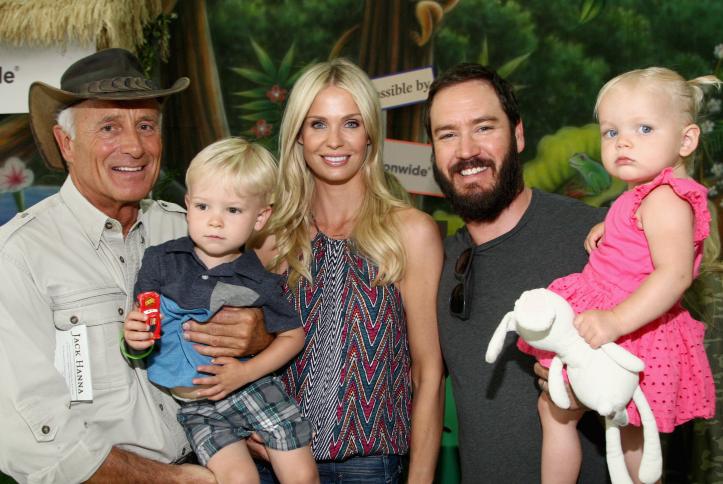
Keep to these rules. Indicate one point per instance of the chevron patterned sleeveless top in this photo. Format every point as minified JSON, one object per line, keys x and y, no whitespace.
{"x":352,"y":379}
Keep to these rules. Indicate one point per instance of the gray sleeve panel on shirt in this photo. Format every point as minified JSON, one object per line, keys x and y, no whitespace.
{"x":279,"y":314}
{"x":232,"y":295}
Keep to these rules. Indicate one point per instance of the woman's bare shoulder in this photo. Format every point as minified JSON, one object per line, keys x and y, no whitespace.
{"x":417,"y":226}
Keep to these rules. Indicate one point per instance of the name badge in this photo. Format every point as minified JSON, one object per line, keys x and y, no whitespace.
{"x":72,"y":360}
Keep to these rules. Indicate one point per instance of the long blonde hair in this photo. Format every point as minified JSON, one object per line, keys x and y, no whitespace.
{"x":377,"y":235}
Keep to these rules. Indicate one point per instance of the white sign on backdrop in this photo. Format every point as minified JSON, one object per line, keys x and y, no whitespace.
{"x":411,"y":163}
{"x":21,"y":66}
{"x":404,"y":88}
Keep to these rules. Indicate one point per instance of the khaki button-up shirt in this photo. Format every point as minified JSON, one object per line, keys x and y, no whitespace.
{"x":63,"y":263}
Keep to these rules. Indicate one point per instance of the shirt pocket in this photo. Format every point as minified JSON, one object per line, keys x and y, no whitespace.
{"x":42,"y":420}
{"x":102,"y":310}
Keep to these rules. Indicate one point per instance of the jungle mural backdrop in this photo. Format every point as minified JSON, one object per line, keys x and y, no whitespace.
{"x":243,"y":57}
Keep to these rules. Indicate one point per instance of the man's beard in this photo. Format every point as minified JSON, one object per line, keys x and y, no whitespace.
{"x":479,"y":204}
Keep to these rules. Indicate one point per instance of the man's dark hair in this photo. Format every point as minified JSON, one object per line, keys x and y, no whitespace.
{"x":468,"y":71}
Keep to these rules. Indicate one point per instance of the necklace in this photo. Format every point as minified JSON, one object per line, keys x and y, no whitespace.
{"x":341,"y":231}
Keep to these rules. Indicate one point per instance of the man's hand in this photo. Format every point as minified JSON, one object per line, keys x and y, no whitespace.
{"x":594,"y":237}
{"x":230,"y":332}
{"x":543,"y":373}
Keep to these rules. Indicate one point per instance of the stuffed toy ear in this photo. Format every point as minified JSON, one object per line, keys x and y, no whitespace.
{"x":494,"y":348}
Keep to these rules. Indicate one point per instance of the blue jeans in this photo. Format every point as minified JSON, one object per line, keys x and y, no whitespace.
{"x":379,"y":469}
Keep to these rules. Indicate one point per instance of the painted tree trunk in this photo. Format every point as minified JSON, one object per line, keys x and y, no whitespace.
{"x":391,"y":42}
{"x":196,"y":117}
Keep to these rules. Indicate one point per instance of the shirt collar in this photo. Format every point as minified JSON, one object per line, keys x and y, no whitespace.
{"x":182,"y":244}
{"x":247,"y":265}
{"x":92,"y":221}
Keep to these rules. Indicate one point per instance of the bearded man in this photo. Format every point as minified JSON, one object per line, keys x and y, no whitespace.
{"x":515,"y":238}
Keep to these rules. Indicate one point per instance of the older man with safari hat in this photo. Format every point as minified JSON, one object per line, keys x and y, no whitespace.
{"x":68,"y":266}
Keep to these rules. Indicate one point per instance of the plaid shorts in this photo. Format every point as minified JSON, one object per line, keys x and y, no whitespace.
{"x":262,"y":407}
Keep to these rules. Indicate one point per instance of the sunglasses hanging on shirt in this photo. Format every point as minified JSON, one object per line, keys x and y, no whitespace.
{"x":459,"y":305}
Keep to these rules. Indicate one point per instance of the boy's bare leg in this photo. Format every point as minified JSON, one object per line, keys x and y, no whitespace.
{"x":294,"y":466}
{"x":233,"y":465}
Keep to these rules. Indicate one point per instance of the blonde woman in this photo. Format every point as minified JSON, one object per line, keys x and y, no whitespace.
{"x":362,"y":269}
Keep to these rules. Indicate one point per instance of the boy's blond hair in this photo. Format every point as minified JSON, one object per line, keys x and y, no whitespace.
{"x":248,"y":168}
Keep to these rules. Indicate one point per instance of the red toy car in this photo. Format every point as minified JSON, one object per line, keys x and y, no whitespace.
{"x":150,"y":304}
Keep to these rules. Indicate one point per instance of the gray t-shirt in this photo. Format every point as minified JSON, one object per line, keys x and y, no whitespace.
{"x":499,"y":429}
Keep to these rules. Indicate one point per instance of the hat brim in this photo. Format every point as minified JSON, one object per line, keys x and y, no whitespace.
{"x":45,"y":101}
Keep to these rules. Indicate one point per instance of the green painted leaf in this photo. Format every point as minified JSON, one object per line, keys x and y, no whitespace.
{"x":484,"y":56}
{"x":266,"y":63}
{"x":511,"y":66}
{"x":589,"y":9}
{"x":286,"y":63}
{"x":259,"y":92}
{"x":254,"y":76}
{"x":269,"y":116}
{"x":259,"y":105}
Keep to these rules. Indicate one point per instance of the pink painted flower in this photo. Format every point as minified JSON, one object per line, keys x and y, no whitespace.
{"x":14,"y":175}
{"x":262,"y":129}
{"x":276,"y":94}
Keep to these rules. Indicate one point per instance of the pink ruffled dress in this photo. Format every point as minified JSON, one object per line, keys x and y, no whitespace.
{"x":677,"y":379}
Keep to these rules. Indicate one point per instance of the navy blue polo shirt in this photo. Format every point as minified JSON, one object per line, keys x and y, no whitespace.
{"x":174,"y":270}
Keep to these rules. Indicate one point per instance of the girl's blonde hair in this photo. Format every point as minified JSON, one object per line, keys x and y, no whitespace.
{"x":376,"y":234}
{"x":687,"y":95}
{"x":248,"y":168}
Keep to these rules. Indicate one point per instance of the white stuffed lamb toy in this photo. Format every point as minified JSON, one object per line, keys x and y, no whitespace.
{"x":603,"y":379}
